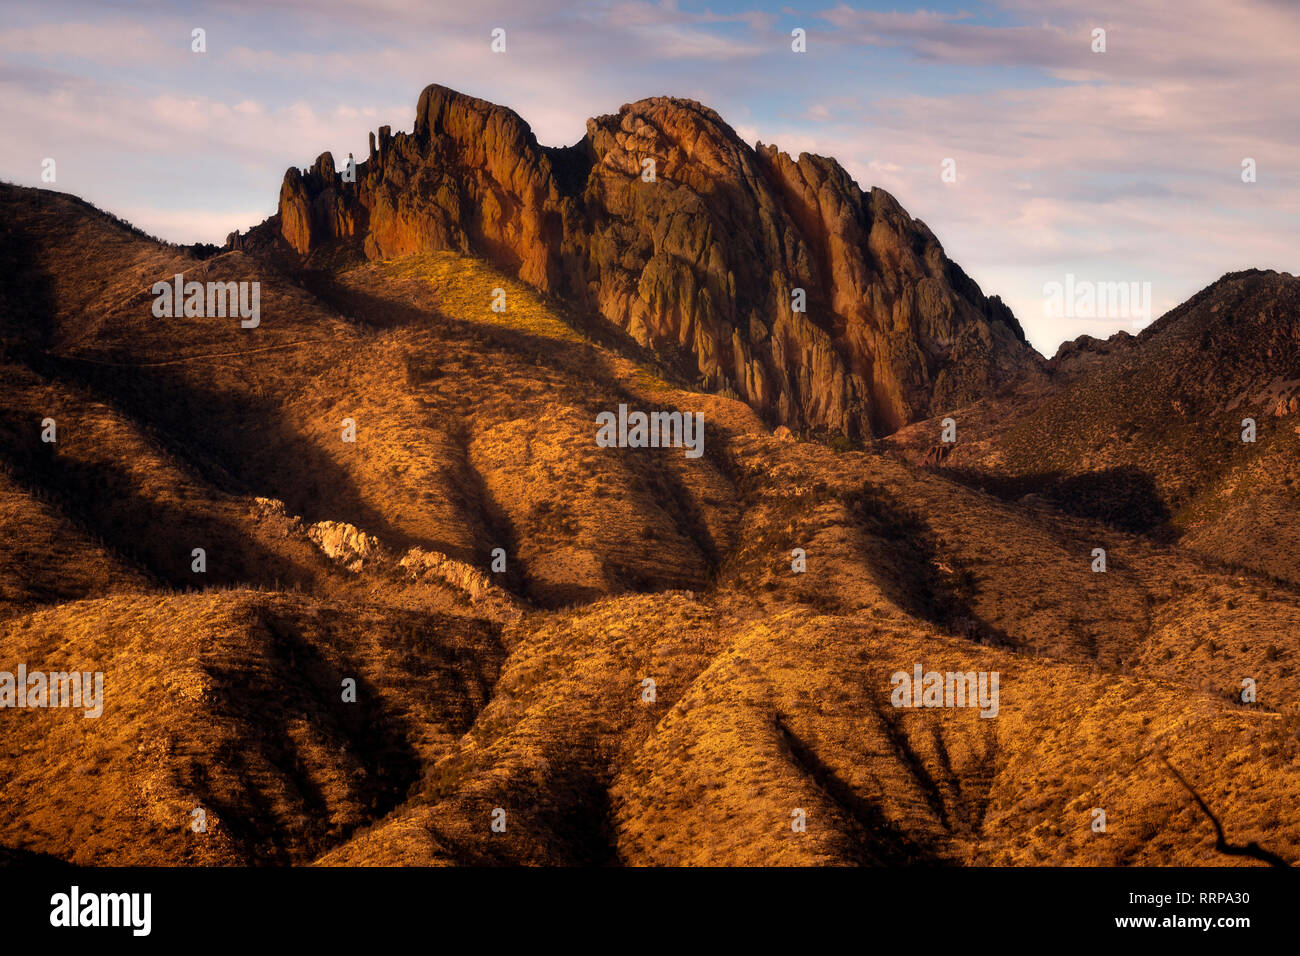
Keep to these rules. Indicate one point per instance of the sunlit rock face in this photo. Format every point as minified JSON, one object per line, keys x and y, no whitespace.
{"x":664,"y":222}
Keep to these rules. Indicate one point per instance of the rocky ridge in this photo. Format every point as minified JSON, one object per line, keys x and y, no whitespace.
{"x":700,"y":262}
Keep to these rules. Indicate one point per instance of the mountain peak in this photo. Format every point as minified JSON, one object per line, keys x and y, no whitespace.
{"x":776,"y":279}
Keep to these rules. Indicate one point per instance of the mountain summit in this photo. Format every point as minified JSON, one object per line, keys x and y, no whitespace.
{"x":765,"y":277}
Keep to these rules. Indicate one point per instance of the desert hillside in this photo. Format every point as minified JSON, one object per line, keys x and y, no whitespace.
{"x":1189,"y":431}
{"x":438,"y":622}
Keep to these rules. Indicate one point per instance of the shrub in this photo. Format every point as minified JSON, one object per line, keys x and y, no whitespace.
{"x":421,"y":369}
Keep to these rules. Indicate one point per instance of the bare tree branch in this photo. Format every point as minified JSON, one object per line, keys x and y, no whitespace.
{"x":1251,"y":849}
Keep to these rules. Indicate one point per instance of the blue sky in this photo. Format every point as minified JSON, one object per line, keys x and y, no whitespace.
{"x":1115,"y":166}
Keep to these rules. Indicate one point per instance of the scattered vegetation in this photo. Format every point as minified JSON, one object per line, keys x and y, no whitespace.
{"x":770,"y":679}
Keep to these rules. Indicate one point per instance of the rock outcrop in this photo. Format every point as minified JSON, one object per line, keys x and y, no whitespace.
{"x":359,"y":551}
{"x":821,"y":305}
{"x":345,"y":543}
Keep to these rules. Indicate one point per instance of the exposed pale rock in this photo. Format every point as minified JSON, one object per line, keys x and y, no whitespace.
{"x":419,"y":563}
{"x":345,"y":543}
{"x":476,"y":585}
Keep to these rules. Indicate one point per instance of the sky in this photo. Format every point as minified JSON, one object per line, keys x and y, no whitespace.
{"x":1039,"y":162}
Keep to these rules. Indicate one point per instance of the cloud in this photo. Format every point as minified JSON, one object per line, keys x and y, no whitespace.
{"x":1119,"y":165}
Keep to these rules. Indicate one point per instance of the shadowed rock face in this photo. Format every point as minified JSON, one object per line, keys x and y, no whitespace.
{"x":700,"y":263}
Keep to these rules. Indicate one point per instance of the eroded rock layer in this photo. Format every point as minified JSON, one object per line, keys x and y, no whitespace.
{"x":700,"y":262}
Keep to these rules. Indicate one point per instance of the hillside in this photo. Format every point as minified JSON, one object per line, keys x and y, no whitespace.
{"x":524,"y":690}
{"x":1146,"y":432}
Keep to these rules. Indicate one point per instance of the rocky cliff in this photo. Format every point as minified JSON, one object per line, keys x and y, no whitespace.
{"x":701,"y":259}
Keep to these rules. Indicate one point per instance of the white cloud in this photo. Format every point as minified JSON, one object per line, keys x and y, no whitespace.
{"x":1123,"y":164}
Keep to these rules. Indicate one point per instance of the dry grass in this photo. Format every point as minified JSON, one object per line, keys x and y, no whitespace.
{"x":475,"y":430}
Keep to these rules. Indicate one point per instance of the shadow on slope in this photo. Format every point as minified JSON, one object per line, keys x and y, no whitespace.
{"x":914,"y":571}
{"x":1124,"y":497}
{"x":875,"y":840}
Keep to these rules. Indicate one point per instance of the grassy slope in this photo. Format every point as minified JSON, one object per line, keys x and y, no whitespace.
{"x":1149,"y":436}
{"x":474,"y":431}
